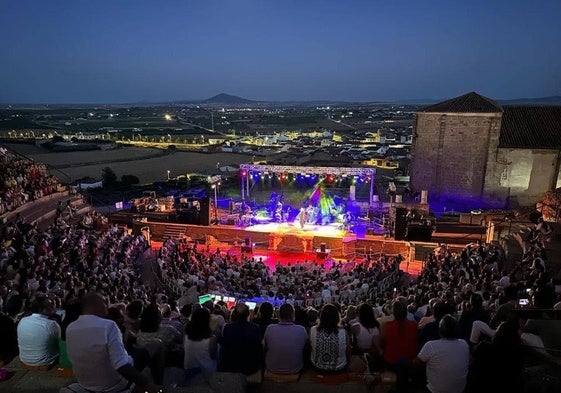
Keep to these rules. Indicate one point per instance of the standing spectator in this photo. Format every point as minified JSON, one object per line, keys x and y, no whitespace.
{"x":38,"y":336}
{"x":330,"y":343}
{"x":200,"y":345}
{"x":447,"y":359}
{"x":241,"y":350}
{"x":285,"y":343}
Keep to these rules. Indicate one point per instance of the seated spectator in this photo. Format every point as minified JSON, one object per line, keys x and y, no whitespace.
{"x":431,"y":330}
{"x":399,"y":343}
{"x":330,"y":343}
{"x":285,"y":343}
{"x":241,"y":350}
{"x":545,"y":332}
{"x":9,"y":341}
{"x":38,"y":336}
{"x":446,"y":359}
{"x":151,"y":330}
{"x":132,"y":317}
{"x":95,"y":348}
{"x":217,"y":321}
{"x":366,"y":330}
{"x":265,"y":317}
{"x":72,"y":313}
{"x":475,"y":312}
{"x":168,"y":320}
{"x":498,"y":365}
{"x":200,"y":345}
{"x":505,"y":309}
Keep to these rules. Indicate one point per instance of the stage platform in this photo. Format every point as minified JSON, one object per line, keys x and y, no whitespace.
{"x":279,"y":238}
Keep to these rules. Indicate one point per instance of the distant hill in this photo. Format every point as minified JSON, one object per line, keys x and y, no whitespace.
{"x":224,"y":98}
{"x":553,"y":100}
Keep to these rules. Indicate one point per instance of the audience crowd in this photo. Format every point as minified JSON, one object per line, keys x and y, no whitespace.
{"x":22,"y":180}
{"x":465,"y":324}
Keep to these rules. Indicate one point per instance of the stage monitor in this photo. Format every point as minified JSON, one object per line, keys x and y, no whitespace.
{"x":230,"y":301}
{"x":420,"y":233}
{"x":205,"y":298}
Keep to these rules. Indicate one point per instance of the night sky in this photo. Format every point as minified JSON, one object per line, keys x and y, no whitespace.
{"x":129,"y":51}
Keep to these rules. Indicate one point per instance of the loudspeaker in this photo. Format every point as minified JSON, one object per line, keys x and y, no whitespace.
{"x":247,"y":241}
{"x":400,"y":223}
{"x":204,"y":218}
{"x":322,"y":247}
{"x":421,"y":234}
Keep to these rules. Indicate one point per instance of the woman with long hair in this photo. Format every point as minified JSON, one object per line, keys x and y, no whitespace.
{"x":366,"y":330}
{"x":331,"y":347}
{"x":200,"y":345}
{"x":152,"y":331}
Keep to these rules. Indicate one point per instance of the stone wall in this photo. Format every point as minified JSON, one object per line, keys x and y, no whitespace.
{"x":522,"y":175}
{"x":450,"y":152}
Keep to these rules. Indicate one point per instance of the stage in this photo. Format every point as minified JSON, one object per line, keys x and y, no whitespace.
{"x":278,"y":237}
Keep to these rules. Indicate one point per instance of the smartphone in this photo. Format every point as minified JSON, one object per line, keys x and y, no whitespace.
{"x":251,"y":305}
{"x":523,"y":302}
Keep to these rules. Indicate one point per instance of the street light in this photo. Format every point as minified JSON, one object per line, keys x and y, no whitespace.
{"x":214,"y":182}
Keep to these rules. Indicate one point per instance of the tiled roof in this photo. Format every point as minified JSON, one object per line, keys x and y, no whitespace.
{"x":467,"y":103}
{"x":531,"y":127}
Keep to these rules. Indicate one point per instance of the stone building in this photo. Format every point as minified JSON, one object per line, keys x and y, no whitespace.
{"x":474,"y":150}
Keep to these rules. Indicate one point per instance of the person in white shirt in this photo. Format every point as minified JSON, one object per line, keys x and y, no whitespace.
{"x":99,"y":359}
{"x":38,"y":335}
{"x":447,"y":359}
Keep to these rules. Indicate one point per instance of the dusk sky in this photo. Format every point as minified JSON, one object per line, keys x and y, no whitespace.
{"x":130,"y":51}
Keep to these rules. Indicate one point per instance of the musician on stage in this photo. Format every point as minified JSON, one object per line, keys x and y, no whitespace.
{"x":310,"y":214}
{"x":287,"y":214}
{"x":347,"y":220}
{"x":303,"y":217}
{"x":245,"y":214}
{"x":278,"y":212}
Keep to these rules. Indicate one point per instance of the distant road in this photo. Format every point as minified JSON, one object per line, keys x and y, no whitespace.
{"x":340,"y":122}
{"x":183,"y":121}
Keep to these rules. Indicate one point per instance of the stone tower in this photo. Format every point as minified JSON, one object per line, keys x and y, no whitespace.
{"x":452,"y":141}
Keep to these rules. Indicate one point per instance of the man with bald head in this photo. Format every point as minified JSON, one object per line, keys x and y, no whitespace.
{"x":447,"y":359}
{"x":99,"y":359}
{"x":241,"y":350}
